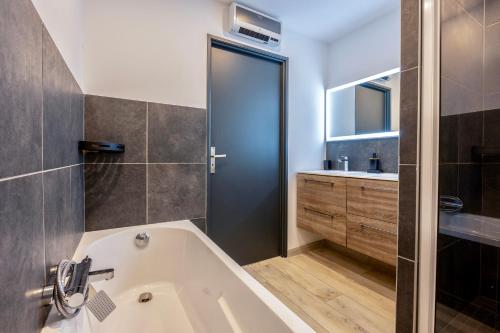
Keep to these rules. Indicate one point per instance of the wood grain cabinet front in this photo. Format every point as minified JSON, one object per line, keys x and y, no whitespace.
{"x":321,"y":206}
{"x":373,"y":199}
{"x":360,"y":214}
{"x":375,"y":238}
{"x":332,"y":226}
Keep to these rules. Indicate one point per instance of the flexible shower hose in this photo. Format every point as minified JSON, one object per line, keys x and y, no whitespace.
{"x":60,"y":297}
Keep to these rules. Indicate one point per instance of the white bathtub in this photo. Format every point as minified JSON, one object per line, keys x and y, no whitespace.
{"x":196,"y":287}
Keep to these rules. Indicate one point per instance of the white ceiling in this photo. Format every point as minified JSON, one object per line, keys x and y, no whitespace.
{"x":324,"y":20}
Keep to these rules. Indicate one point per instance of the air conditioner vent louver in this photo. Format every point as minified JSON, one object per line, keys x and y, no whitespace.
{"x":256,"y":26}
{"x":254,"y":34}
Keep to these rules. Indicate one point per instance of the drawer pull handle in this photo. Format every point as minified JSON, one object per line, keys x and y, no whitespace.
{"x":318,"y":212}
{"x":379,"y":189}
{"x":363,"y":226}
{"x":319,"y":182}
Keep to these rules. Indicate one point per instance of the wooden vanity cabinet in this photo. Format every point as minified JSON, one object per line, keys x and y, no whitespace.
{"x":321,"y":206}
{"x":360,"y":214}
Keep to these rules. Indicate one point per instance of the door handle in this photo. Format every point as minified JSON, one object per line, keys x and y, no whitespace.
{"x":214,"y":156}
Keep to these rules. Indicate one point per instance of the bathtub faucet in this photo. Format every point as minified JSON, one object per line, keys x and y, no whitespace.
{"x":69,"y":285}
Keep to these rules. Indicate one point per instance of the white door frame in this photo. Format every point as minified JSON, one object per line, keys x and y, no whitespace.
{"x":429,"y":162}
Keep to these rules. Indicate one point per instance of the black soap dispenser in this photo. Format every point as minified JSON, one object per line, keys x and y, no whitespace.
{"x":374,"y":164}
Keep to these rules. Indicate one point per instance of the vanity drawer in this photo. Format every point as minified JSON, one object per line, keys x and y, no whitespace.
{"x":373,"y":199}
{"x":325,"y":193}
{"x":332,"y":226}
{"x":377,"y":239}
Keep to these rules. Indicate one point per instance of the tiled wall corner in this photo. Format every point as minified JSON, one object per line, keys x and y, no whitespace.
{"x":41,"y":122}
{"x":161,"y":177}
{"x":407,"y":269}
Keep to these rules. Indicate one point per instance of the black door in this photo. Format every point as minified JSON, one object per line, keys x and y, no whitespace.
{"x":246,"y":192}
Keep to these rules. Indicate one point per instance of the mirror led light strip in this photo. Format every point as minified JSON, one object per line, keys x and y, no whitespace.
{"x":360,"y":136}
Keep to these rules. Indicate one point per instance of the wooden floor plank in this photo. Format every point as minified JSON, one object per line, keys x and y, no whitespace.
{"x":321,"y":312}
{"x":359,"y":293}
{"x":291,"y":305}
{"x":373,"y":277}
{"x":331,"y":292}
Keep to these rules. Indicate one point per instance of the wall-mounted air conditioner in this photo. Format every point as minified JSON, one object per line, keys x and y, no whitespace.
{"x":248,"y":23}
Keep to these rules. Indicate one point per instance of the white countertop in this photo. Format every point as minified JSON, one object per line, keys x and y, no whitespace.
{"x":355,"y":174}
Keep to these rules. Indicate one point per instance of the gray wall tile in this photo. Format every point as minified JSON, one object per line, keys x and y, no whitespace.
{"x":408,"y":155}
{"x":26,"y":99}
{"x":176,"y":192}
{"x":491,"y":128}
{"x":63,"y":213}
{"x":410,"y":11}
{"x":62,"y":110}
{"x":448,"y":139}
{"x":475,"y":8}
{"x":21,"y":254}
{"x":457,"y":99}
{"x":492,"y":62}
{"x":115,"y":195}
{"x":407,"y":211}
{"x":409,"y":117}
{"x":461,"y":46}
{"x":116,"y":120}
{"x":20,"y":88}
{"x":470,"y":135}
{"x":359,"y":151}
{"x":405,"y":297}
{"x":177,"y":134}
{"x":448,"y":175}
{"x":492,"y":11}
{"x":491,"y":190}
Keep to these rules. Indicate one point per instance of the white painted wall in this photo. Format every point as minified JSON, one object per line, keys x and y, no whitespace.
{"x":156,"y":50}
{"x":64,"y":22}
{"x":372,"y":49}
{"x":306,"y":121}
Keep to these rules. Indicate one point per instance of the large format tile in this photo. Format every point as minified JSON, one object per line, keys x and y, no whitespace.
{"x":448,"y":139}
{"x":116,"y":120}
{"x":176,"y":134}
{"x":461,"y":46}
{"x":470,"y":187}
{"x":457,"y":99}
{"x":492,"y":62}
{"x":21,"y":254}
{"x":470,"y":135}
{"x":489,"y":260}
{"x":405,"y":296}
{"x":448,"y":179}
{"x":492,"y":11}
{"x":62,"y":109}
{"x":409,"y":118}
{"x":115,"y":195}
{"x":176,"y":192}
{"x":457,"y":272}
{"x":63,"y":209}
{"x":407,"y":211}
{"x":475,"y":8}
{"x":491,"y":133}
{"x":20,"y":88}
{"x":491,"y":190}
{"x":410,"y":31}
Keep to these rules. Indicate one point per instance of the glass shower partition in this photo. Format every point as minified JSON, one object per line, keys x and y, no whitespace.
{"x":467,"y":273}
